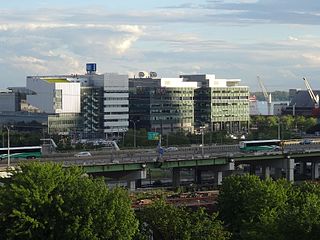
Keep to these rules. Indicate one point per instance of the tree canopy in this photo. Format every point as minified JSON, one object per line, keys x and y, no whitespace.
{"x":45,"y":201}
{"x":256,"y":209}
{"x":168,"y":222}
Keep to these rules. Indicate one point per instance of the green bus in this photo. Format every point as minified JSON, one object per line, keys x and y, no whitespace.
{"x":260,"y":145}
{"x":31,"y":152}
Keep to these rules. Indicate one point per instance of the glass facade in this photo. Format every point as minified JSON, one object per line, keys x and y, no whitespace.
{"x":222,"y":108}
{"x":161,"y":109}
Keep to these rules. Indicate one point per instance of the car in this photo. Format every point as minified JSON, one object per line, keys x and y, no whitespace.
{"x":306,"y":141}
{"x":83,"y":154}
{"x":171,"y":149}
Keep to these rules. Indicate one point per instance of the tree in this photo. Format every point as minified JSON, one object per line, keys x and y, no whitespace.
{"x":168,"y":222}
{"x":251,"y":207}
{"x":45,"y":201}
{"x":301,"y":220}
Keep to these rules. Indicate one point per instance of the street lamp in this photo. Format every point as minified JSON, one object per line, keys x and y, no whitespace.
{"x":279,"y":128}
{"x":134,"y":133}
{"x":202,"y":139}
{"x":8,"y":129}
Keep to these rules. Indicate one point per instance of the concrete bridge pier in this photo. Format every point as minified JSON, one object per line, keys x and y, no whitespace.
{"x":175,"y":177}
{"x":219,"y":170}
{"x":287,"y":165}
{"x":265,"y":172}
{"x":290,"y":169}
{"x":134,"y":178}
{"x":315,"y":170}
{"x":218,"y":178}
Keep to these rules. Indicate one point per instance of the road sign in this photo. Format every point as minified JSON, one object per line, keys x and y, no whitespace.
{"x":153,"y":136}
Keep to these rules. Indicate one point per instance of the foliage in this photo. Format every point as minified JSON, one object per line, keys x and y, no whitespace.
{"x":251,"y":207}
{"x":45,"y":201}
{"x":255,"y":209}
{"x":267,"y":127}
{"x":301,"y":221}
{"x":168,"y":222}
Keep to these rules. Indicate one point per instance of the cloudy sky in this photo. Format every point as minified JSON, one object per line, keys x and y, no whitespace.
{"x":279,"y":40}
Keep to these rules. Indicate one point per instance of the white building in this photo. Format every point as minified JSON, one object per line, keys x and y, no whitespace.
{"x":54,"y":94}
{"x":116,"y":103}
{"x":101,"y":99}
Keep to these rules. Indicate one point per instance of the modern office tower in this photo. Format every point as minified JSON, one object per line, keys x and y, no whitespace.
{"x":161,"y":104}
{"x":92,"y":105}
{"x":220,"y":104}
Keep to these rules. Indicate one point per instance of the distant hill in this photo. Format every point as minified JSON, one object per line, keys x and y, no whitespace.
{"x":276,"y":96}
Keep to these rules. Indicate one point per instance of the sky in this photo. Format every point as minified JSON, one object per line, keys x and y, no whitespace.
{"x":277,"y":40}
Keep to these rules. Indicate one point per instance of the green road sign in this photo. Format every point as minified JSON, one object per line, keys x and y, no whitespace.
{"x":153,"y":136}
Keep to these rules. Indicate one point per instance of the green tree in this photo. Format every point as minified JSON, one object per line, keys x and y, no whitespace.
{"x":301,"y":220}
{"x":251,"y":207}
{"x":45,"y":201}
{"x":168,"y":222}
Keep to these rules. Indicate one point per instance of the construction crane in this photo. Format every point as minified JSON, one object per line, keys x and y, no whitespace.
{"x":267,"y":96}
{"x":314,"y":98}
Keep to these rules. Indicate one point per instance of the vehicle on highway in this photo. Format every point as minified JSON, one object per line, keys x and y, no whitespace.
{"x":83,"y":154}
{"x":31,"y":152}
{"x":171,"y":149}
{"x":260,"y":145}
{"x":306,"y":141}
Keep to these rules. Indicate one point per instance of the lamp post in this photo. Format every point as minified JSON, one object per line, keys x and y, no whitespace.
{"x":134,"y":133}
{"x":8,"y":129}
{"x":279,"y":128}
{"x":202,"y":139}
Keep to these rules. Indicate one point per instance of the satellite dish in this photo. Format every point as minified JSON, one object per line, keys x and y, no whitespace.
{"x":141,"y":74}
{"x":153,"y":74}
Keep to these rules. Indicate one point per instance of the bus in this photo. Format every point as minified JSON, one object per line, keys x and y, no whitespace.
{"x":260,"y":145}
{"x":21,"y":152}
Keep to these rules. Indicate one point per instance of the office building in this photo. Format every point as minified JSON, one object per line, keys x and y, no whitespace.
{"x":91,"y":105}
{"x":220,"y":104}
{"x":162,"y":104}
{"x":188,"y":103}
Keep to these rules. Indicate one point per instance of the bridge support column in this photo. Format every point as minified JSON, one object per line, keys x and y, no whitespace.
{"x":131,"y":185}
{"x":176,"y":177}
{"x":134,"y":179}
{"x":290,"y":169}
{"x":315,"y":170}
{"x":218,"y":178}
{"x":197,"y":176}
{"x":265,"y":172}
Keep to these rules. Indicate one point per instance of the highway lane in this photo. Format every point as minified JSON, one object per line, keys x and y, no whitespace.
{"x":151,"y":155}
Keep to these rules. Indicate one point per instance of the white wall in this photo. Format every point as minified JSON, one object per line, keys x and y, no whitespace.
{"x":45,"y":95}
{"x":116,"y":94}
{"x":70,"y":97}
{"x":177,"y":83}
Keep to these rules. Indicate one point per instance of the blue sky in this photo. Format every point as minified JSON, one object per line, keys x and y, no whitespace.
{"x":279,"y":40}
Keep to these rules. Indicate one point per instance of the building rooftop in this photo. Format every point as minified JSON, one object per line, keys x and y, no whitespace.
{"x":56,"y":80}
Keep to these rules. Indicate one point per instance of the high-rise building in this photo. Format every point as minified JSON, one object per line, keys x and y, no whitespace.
{"x":220,"y":104}
{"x":188,"y":103}
{"x":97,"y":104}
{"x":162,"y":104}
